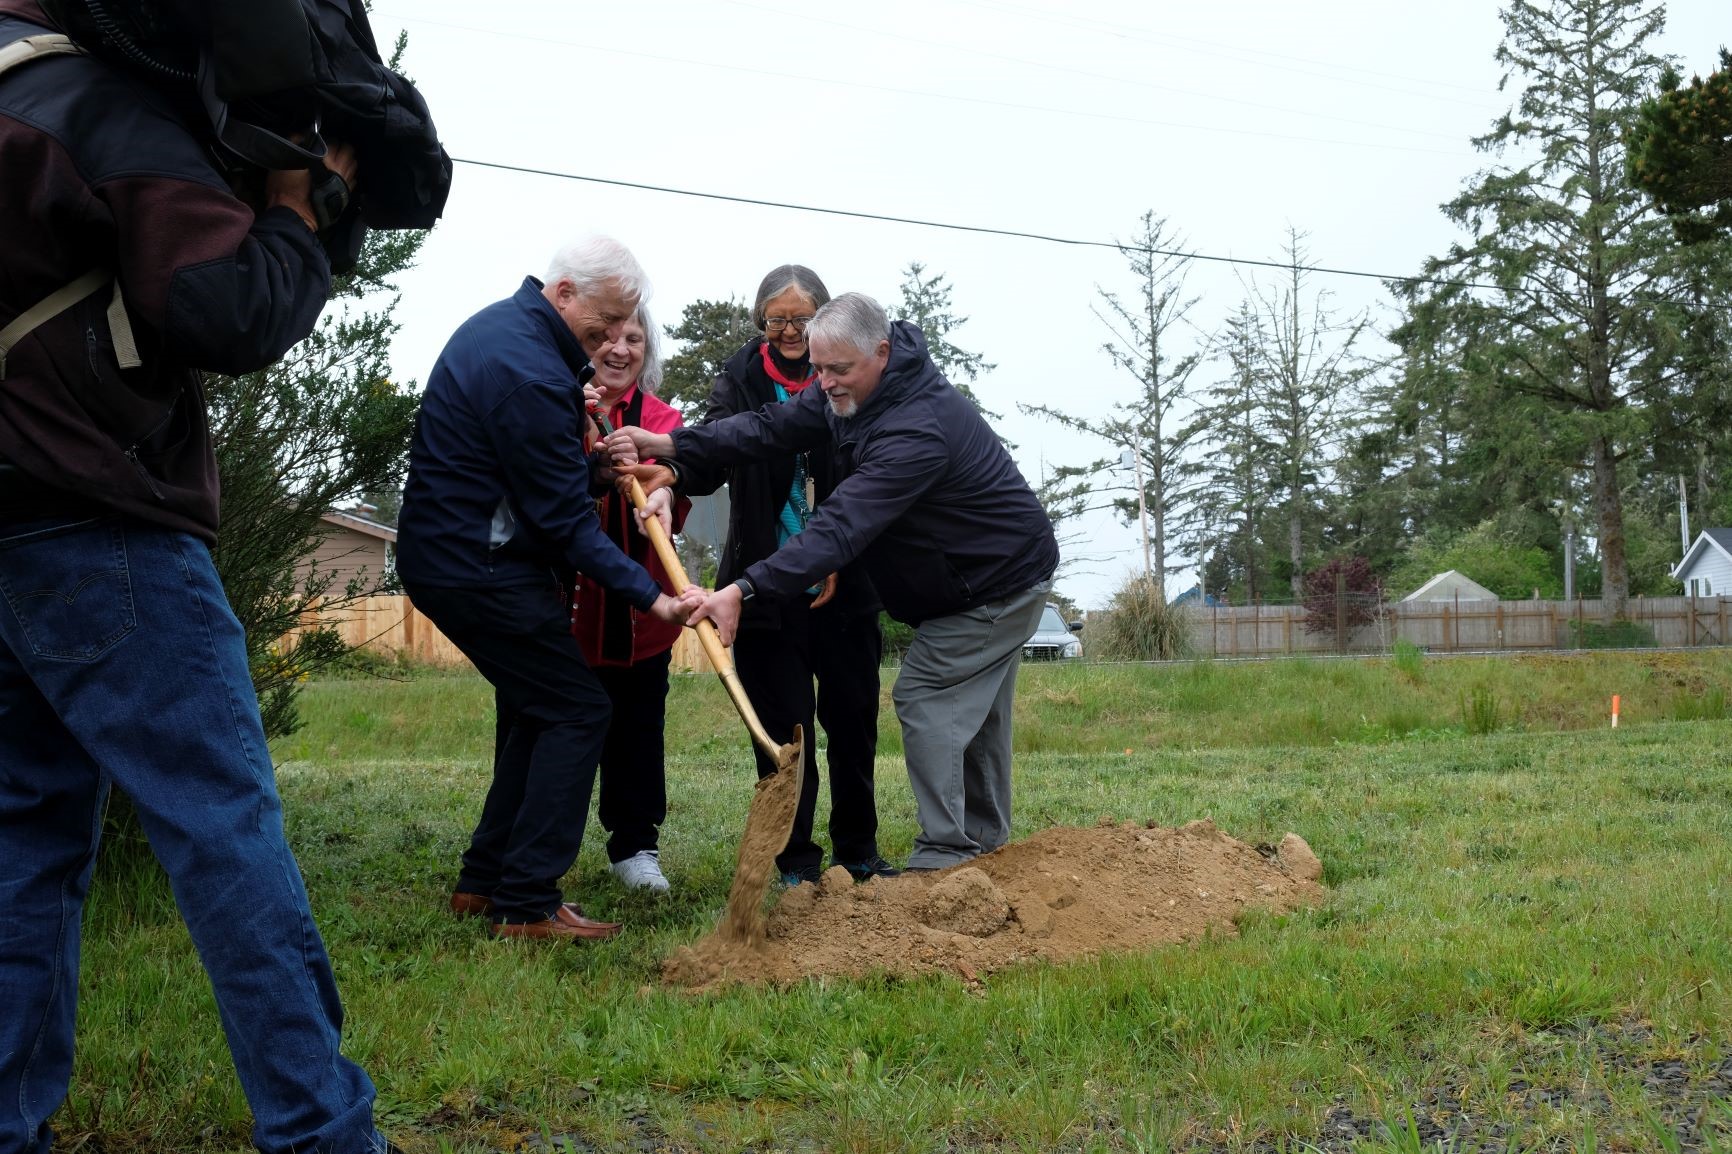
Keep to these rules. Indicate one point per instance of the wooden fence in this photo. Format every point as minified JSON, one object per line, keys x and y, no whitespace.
{"x":390,"y":625}
{"x":1447,"y":626}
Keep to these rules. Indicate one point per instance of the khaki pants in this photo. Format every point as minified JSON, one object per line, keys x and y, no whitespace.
{"x":954,"y":699}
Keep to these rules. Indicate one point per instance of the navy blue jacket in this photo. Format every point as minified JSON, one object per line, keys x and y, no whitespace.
{"x":930,"y":500}
{"x":98,"y":170}
{"x":498,"y":490}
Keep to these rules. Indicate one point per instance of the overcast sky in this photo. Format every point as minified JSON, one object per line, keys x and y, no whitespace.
{"x":1348,"y":119}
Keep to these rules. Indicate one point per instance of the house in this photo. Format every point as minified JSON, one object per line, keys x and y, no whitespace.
{"x":354,"y":546}
{"x":1451,"y":586}
{"x":1706,"y":570}
{"x":1195,"y":596}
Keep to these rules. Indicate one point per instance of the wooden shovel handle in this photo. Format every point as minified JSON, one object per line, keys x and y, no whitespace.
{"x":707,"y":635}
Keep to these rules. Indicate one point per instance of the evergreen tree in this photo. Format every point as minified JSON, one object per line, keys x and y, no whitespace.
{"x":1143,"y":336}
{"x":1307,"y":372}
{"x":1575,"y":253}
{"x":709,"y":332}
{"x":926,"y":304}
{"x":1680,"y":151}
{"x":1228,"y":482}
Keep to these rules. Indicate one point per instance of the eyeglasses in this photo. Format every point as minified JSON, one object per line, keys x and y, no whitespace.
{"x":777,"y":324}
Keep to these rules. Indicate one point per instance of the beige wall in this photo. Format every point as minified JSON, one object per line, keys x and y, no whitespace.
{"x":345,"y":551}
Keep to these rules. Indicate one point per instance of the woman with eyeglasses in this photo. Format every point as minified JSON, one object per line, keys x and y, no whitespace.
{"x":816,"y":656}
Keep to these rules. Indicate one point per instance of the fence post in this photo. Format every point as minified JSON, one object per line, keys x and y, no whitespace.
{"x":1214,"y":631}
{"x":1340,"y":611}
{"x":1722,"y":618}
{"x":1287,"y":628}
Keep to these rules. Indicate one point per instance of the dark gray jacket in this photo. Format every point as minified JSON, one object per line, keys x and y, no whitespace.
{"x":930,"y":500}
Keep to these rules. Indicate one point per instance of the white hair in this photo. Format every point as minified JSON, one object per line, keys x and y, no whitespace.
{"x":852,"y":317}
{"x":594,"y":261}
{"x":649,"y":378}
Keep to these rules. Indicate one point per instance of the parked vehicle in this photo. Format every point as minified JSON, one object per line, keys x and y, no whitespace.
{"x":1052,"y":639}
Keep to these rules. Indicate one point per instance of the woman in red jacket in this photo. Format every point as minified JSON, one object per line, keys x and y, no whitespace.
{"x":630,"y":650}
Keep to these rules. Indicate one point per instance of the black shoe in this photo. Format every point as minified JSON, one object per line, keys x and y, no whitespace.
{"x":873,"y":867}
{"x":810,"y":873}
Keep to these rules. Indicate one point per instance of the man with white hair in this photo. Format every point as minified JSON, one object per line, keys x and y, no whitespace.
{"x":498,"y":511}
{"x":955,"y":542}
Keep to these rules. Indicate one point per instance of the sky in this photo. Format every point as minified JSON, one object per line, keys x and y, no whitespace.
{"x":1349,"y":120}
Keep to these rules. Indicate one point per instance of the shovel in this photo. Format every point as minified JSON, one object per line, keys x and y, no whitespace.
{"x":771,"y":817}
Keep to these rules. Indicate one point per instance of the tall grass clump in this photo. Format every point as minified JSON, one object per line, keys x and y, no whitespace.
{"x":1139,"y":625}
{"x":1709,"y":706}
{"x":1409,"y":659}
{"x":1481,"y":712}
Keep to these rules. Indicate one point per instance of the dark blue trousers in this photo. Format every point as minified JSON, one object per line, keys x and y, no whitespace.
{"x":553,"y":719}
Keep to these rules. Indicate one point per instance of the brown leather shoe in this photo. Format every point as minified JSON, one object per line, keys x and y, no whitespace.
{"x":567,"y":922}
{"x":471,"y":905}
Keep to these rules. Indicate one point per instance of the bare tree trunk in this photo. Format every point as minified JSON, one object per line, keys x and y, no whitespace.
{"x":1295,"y":548}
{"x":1702,"y":483}
{"x":1609,"y":508}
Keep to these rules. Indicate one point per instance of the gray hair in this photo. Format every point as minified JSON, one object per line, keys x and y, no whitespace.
{"x":782,"y":278}
{"x":649,"y":378}
{"x":852,"y":317}
{"x":595,"y":260}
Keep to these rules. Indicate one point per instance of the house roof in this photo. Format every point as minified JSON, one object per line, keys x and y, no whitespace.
{"x":1450,"y":585}
{"x":346,"y":519}
{"x":1719,"y":539}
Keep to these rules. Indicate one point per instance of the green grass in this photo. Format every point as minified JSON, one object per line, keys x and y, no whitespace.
{"x":1492,"y":897}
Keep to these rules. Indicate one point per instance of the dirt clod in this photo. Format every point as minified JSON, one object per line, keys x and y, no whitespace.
{"x":1061,"y":894}
{"x":964,"y":901}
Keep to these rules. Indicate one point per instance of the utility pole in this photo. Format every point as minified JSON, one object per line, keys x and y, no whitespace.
{"x":1683,"y":519}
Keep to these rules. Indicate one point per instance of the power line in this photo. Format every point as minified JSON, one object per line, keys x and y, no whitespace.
{"x":1382,"y":146}
{"x":975,"y":228}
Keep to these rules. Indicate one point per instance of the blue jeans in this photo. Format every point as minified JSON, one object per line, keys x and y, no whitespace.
{"x":121,"y":663}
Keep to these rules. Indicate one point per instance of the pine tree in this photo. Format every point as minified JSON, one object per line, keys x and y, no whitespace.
{"x":1229,"y":481}
{"x":1574,"y":250}
{"x":710,"y":332}
{"x":1308,"y":369}
{"x":1145,"y":344}
{"x":926,"y":304}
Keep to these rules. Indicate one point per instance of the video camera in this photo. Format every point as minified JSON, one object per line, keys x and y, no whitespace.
{"x":273,"y":76}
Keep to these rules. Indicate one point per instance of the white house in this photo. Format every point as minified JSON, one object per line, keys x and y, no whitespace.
{"x":1451,"y":586}
{"x":1706,"y":570}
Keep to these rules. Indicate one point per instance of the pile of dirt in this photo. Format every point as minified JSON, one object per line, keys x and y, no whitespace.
{"x":1062,"y":894}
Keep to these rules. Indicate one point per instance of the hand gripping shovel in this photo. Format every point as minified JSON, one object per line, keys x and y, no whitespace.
{"x":771,"y":817}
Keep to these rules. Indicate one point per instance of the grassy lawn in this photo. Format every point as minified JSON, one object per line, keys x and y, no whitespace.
{"x":1526,"y":942}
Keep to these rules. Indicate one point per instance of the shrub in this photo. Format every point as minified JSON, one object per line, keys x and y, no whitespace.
{"x":1139,"y":625}
{"x":1622,"y":634}
{"x":1361,"y":595}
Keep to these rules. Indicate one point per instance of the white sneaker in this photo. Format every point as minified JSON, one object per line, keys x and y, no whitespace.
{"x":641,"y":871}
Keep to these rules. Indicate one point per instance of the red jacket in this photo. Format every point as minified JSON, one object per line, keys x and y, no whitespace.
{"x":609,"y":629}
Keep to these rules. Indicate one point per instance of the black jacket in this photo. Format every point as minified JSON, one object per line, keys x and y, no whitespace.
{"x":98,"y":170}
{"x":930,"y":499}
{"x":498,"y":490}
{"x":757,"y":491}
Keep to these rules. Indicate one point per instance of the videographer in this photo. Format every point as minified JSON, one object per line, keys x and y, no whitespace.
{"x":128,"y":265}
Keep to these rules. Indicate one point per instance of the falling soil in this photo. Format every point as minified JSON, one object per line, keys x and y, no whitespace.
{"x":1062,"y":894}
{"x":768,"y":823}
